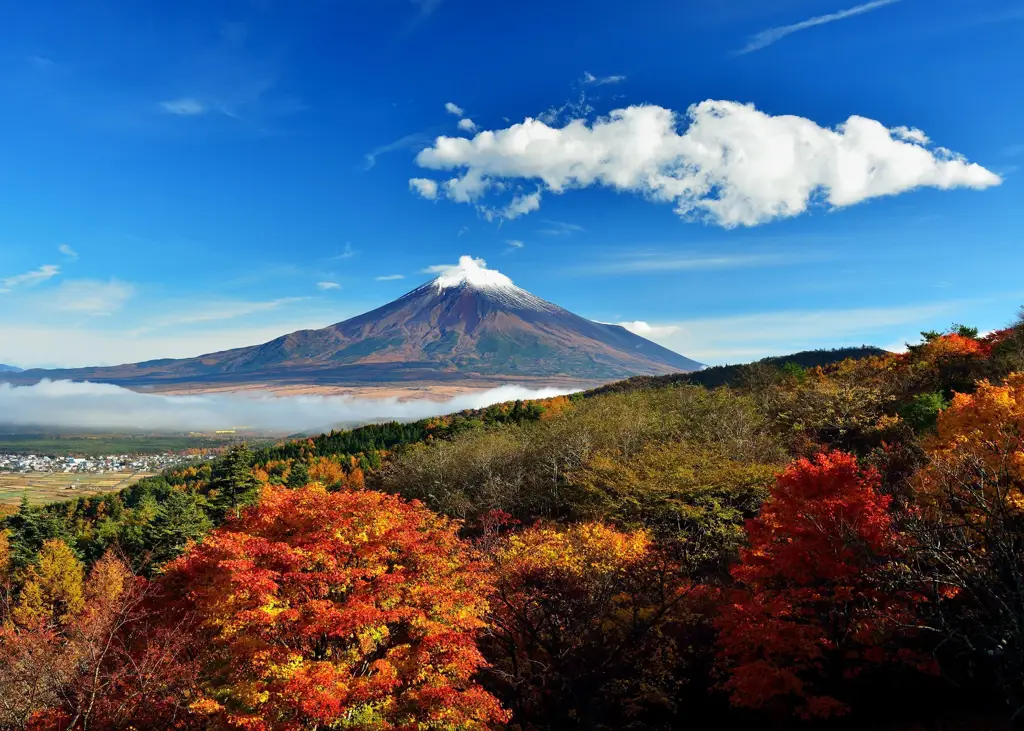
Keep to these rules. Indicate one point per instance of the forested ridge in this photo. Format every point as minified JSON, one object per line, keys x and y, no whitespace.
{"x":831,"y":539}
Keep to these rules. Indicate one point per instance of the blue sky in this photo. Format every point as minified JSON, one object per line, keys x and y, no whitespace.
{"x":185,"y":177}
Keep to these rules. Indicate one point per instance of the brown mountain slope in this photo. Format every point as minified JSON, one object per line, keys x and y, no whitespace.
{"x":470,"y":322}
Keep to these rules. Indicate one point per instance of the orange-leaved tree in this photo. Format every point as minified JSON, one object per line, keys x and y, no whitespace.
{"x":817,"y":600}
{"x":350,"y":609}
{"x":970,"y":535}
{"x":80,"y":652}
{"x":588,"y":628}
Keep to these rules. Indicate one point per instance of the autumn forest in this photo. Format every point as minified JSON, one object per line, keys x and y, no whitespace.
{"x":834,"y":540}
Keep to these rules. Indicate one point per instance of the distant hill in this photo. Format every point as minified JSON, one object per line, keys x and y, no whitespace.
{"x":469,"y":323}
{"x":9,"y":368}
{"x":729,"y":375}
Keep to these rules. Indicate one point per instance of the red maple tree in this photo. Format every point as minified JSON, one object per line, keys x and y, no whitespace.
{"x":818,"y":599}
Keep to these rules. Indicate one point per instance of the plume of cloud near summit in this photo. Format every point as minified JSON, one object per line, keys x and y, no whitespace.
{"x":773,"y":35}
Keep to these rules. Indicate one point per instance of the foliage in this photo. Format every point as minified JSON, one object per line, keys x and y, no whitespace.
{"x":735,"y":375}
{"x":694,"y":500}
{"x":351,"y":608}
{"x":588,"y":628}
{"x":52,"y":593}
{"x":533,"y":470}
{"x":97,"y":663}
{"x":922,"y":412}
{"x":970,"y":534}
{"x":819,"y":596}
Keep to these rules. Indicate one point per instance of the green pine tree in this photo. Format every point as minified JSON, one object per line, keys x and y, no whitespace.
{"x":234,"y":482}
{"x":181,"y":517}
{"x":299,"y":475}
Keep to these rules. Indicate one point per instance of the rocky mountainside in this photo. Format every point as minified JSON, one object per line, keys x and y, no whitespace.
{"x":469,"y":322}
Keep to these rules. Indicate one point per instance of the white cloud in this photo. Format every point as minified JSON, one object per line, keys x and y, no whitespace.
{"x":733,"y":165}
{"x":744,"y":338}
{"x":389,"y":277}
{"x":643,"y":329}
{"x":519,"y":206}
{"x":67,"y":251}
{"x":453,"y":108}
{"x":346,"y":253}
{"x":213,"y":311}
{"x":91,"y":296}
{"x":28,"y":279}
{"x":589,"y":78}
{"x":467,"y":125}
{"x":426,"y":187}
{"x":328,"y":285}
{"x":71,"y":405}
{"x":641,"y":262}
{"x":911,"y":134}
{"x":41,"y":63}
{"x":408,"y":142}
{"x":515,"y":243}
{"x":773,"y":35}
{"x":184,"y":107}
{"x":560,"y":228}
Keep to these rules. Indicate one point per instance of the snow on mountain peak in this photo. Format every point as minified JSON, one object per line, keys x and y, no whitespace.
{"x":473,"y":272}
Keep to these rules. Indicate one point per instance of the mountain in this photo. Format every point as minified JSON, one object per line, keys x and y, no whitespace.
{"x":469,"y":323}
{"x":9,"y":368}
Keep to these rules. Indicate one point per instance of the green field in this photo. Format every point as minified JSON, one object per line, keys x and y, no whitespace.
{"x":49,"y":487}
{"x":93,"y":445}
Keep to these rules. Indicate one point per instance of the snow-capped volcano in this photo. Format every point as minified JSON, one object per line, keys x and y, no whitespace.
{"x":468,"y":322}
{"x":473,"y":274}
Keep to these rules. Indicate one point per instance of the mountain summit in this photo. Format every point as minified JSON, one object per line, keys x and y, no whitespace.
{"x":469,"y":323}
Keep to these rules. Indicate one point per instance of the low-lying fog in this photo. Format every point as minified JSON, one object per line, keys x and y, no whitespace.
{"x":70,"y":405}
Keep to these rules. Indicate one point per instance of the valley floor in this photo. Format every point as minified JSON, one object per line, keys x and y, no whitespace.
{"x":400,"y":391}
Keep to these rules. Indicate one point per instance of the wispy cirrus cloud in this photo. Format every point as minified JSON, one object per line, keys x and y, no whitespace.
{"x":652,"y":262}
{"x":184,"y":107}
{"x":346,"y":253}
{"x":29,"y":279}
{"x":227,"y":78}
{"x":389,"y":277}
{"x":589,"y":78}
{"x":327,"y":286}
{"x":41,"y":63}
{"x":67,"y":251}
{"x":414,"y":141}
{"x":213,"y":311}
{"x":559,"y":228}
{"x":773,"y":35}
{"x":92,"y":297}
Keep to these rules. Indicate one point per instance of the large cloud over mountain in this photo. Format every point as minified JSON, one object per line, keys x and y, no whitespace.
{"x":733,"y":165}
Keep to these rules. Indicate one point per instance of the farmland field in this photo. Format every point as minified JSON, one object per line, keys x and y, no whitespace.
{"x":48,"y":487}
{"x":98,"y":444}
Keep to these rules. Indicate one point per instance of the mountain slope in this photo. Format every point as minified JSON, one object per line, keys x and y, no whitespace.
{"x":9,"y":368}
{"x":469,"y":322}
